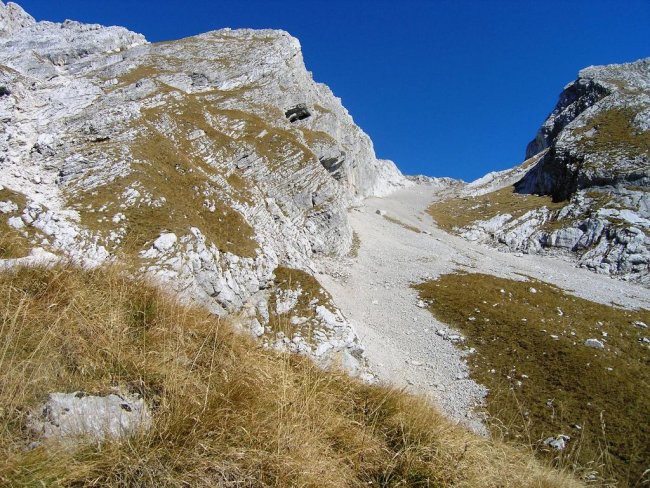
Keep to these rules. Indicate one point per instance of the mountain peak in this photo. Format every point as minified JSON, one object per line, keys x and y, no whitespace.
{"x":13,"y":18}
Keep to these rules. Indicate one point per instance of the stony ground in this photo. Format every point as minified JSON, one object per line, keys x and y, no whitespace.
{"x":402,"y":341}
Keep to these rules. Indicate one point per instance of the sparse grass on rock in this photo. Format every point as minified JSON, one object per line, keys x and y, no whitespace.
{"x":226,"y":411}
{"x":311,"y":295}
{"x":356,"y":245}
{"x":544,"y":381}
{"x":613,"y":130}
{"x":457,"y":213}
{"x":180,"y":183}
{"x":13,"y":243}
{"x":403,"y":224}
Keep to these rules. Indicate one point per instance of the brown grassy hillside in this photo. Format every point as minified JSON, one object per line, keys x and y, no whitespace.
{"x":226,"y":412}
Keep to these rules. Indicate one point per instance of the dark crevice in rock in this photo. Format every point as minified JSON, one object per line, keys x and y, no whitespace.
{"x":333,"y":166}
{"x":555,"y":175}
{"x":199,"y":80}
{"x":299,"y":112}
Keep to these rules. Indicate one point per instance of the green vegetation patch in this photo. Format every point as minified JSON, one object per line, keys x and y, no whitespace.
{"x":461,"y":212}
{"x":613,"y":131}
{"x":543,"y":380}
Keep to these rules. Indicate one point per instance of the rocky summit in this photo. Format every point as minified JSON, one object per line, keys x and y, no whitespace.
{"x":592,"y":158}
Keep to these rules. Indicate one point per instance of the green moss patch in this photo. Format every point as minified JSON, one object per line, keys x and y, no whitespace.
{"x":461,"y":212}
{"x":543,"y":380}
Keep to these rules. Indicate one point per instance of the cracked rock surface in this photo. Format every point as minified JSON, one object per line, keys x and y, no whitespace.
{"x":204,"y":162}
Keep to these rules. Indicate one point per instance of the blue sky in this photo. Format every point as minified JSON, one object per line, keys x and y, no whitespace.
{"x":444,"y":88}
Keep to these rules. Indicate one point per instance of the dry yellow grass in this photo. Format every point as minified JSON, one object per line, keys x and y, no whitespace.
{"x":172,"y":169}
{"x":13,"y":243}
{"x":614,"y":130}
{"x":356,"y":245}
{"x":226,"y":412}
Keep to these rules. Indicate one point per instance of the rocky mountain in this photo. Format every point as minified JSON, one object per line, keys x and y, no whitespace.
{"x":591,"y":160}
{"x":218,"y":166}
{"x":206,"y":161}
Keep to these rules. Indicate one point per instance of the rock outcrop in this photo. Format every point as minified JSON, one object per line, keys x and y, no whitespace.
{"x":592,"y":157}
{"x":70,"y":416}
{"x":205,"y":162}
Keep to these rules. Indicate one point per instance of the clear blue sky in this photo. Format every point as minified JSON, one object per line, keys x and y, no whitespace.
{"x":453,"y":88}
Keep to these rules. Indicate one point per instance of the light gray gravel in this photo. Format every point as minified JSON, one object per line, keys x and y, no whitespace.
{"x":401,"y":340}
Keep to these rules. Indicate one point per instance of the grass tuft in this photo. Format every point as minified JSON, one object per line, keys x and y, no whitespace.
{"x":396,"y":221}
{"x":613,"y":130}
{"x":13,"y":243}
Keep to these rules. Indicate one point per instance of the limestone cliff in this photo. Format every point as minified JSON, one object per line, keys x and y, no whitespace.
{"x":206,"y":161}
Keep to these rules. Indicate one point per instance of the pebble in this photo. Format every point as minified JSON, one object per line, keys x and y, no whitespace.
{"x":595,"y":343}
{"x":558,"y":443}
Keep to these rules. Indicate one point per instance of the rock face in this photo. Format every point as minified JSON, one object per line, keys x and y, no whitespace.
{"x":592,"y":154}
{"x":597,"y":135}
{"x":205,"y":162}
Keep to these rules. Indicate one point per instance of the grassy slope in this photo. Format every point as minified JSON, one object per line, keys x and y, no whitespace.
{"x":461,"y":212}
{"x":227,"y":412}
{"x":532,"y":367}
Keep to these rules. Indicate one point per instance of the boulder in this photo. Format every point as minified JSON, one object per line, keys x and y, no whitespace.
{"x":80,"y":415}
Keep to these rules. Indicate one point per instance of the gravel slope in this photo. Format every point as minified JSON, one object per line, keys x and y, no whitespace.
{"x":402,"y":345}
